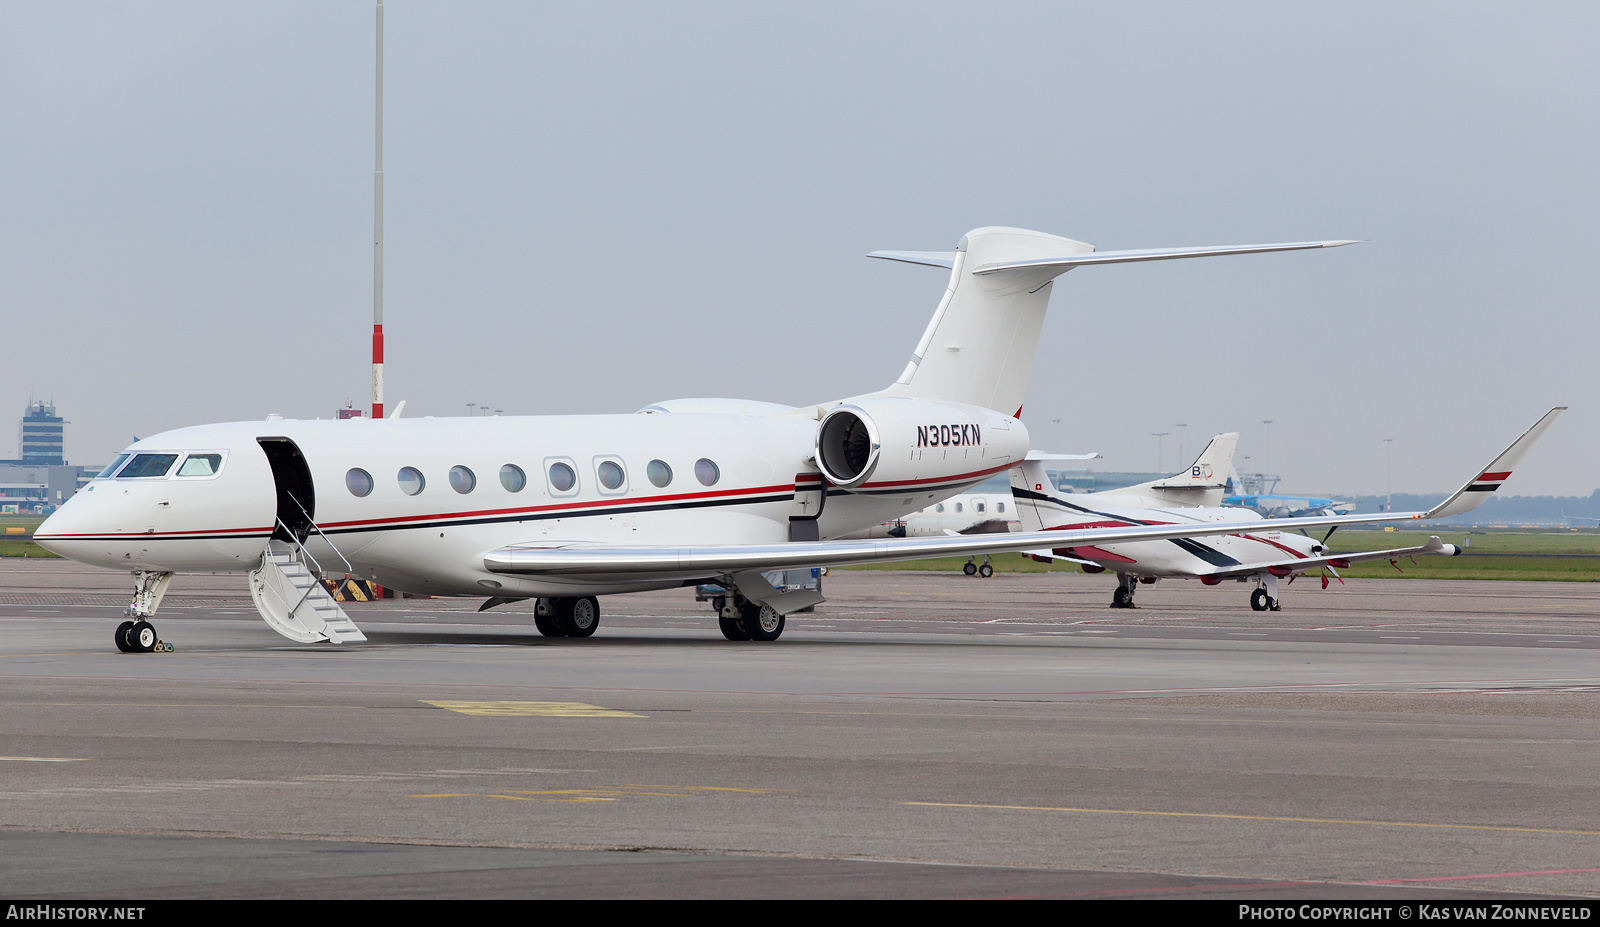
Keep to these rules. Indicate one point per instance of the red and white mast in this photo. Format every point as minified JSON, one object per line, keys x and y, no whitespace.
{"x":377,"y":241}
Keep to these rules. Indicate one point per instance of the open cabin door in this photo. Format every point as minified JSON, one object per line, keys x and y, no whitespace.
{"x":297,"y":498}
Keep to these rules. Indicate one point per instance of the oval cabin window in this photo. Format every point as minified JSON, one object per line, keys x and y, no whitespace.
{"x":462,"y":480}
{"x":562,"y":479}
{"x":706,"y":472}
{"x":358,"y":481}
{"x":411,"y":481}
{"x":512,"y":478}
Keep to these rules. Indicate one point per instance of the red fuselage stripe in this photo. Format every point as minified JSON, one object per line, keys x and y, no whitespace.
{"x":599,"y":505}
{"x":242,"y":532}
{"x":1285,"y":548}
{"x":937,"y":479}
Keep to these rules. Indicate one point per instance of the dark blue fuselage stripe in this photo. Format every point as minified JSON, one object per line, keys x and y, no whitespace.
{"x":1209,"y":554}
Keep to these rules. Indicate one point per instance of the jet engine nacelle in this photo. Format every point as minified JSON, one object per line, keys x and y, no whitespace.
{"x":890,"y":444}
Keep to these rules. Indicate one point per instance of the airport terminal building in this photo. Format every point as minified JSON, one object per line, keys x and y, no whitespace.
{"x":40,"y":478}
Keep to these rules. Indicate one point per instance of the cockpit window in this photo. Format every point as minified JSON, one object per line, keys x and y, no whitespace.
{"x":201,"y":465}
{"x":147,"y":465}
{"x":112,"y":466}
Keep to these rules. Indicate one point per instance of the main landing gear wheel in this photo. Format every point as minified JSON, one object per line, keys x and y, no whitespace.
{"x":124,"y":644}
{"x":1261,"y":602}
{"x":733,"y":629}
{"x":544,"y":617}
{"x":986,"y":571}
{"x":971,"y":569}
{"x":761,"y":622}
{"x":579,"y":617}
{"x":1121,"y":597}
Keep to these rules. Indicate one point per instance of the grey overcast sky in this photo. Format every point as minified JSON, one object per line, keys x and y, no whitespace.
{"x":592,"y":206}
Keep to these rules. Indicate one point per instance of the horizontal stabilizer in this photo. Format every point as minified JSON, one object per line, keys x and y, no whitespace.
{"x":945,"y":259}
{"x":1069,"y":261}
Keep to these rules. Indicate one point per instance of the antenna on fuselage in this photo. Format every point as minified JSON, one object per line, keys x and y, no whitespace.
{"x":377,"y":238}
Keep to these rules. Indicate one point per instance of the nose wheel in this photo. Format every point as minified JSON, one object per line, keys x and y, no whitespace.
{"x":140,"y":637}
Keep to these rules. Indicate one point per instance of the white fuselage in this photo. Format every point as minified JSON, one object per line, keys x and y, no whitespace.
{"x":733,"y":480}
{"x":967,"y":512}
{"x":1256,"y":543}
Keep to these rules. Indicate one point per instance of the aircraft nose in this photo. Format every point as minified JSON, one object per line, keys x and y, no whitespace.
{"x":67,"y":530}
{"x":43,"y":535}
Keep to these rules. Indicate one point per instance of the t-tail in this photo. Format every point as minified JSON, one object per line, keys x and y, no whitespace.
{"x":1204,"y":483}
{"x":979,"y":347}
{"x":1035,"y":497}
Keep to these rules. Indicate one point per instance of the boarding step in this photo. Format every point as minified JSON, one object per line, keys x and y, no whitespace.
{"x":292,"y":601}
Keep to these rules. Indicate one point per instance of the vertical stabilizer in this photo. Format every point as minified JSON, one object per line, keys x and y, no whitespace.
{"x":1203,"y":484}
{"x":1031,"y":487}
{"x":978,"y":348}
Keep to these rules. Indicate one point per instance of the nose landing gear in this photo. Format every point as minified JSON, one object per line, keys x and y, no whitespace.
{"x":138,"y":635}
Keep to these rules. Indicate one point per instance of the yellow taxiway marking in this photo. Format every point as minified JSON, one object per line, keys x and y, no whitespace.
{"x":1262,"y":817}
{"x":677,"y":791}
{"x":46,"y":759}
{"x":710,"y":788}
{"x":533,"y":709}
{"x":533,"y":797}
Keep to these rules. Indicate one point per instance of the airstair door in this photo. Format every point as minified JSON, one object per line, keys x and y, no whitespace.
{"x":297,"y":498}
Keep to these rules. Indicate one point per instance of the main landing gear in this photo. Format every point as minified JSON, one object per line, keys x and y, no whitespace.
{"x":567,"y":617}
{"x":974,"y":569}
{"x":1265,"y":597}
{"x":1122,"y":596}
{"x":743,"y":620}
{"x":137,"y":634}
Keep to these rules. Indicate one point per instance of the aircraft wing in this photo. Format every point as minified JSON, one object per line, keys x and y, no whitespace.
{"x":667,"y":562}
{"x":1338,"y":561}
{"x":584,"y":559}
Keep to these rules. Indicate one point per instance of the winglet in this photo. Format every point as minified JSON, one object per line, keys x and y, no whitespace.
{"x":1471,"y":495}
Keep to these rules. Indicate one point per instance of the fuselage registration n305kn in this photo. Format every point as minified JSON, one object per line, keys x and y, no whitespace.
{"x":567,"y":508}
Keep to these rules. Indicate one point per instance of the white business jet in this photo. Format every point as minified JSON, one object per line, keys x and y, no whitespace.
{"x":1258,"y":550}
{"x":566,"y":508}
